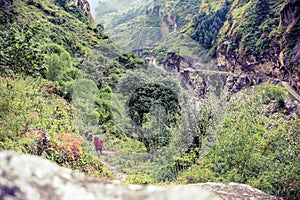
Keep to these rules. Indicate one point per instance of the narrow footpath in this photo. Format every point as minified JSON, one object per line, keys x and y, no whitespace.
{"x":118,"y":176}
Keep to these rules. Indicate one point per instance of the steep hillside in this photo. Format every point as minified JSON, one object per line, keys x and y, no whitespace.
{"x":84,"y":6}
{"x":64,"y":29}
{"x":257,"y":38}
{"x":261,"y":39}
{"x":34,"y":120}
{"x":177,"y":117}
{"x":61,"y":22}
{"x":46,"y":47}
{"x":160,"y":18}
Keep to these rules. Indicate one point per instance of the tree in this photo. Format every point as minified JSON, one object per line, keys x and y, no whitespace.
{"x":143,"y":105}
{"x":59,"y":61}
{"x":207,"y":26}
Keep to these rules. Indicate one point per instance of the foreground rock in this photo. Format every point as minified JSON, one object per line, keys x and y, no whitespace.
{"x":29,"y":177}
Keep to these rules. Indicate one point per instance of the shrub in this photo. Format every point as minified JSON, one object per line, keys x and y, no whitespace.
{"x":140,"y":179}
{"x":69,"y":146}
{"x":20,"y":52}
{"x":256,"y":147}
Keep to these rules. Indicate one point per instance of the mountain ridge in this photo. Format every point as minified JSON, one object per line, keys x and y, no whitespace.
{"x":267,"y":46}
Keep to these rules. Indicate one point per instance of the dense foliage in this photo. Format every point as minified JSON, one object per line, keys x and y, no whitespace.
{"x":146,"y":96}
{"x":29,"y":105}
{"x":206,"y":27}
{"x":58,"y":26}
{"x":141,"y":102}
{"x":258,"y":145}
{"x":20,"y":52}
{"x":58,"y":41}
{"x":251,"y":33}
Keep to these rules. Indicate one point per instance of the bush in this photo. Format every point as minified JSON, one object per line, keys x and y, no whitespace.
{"x":69,"y":146}
{"x":140,"y":179}
{"x":256,"y":147}
{"x":20,"y":52}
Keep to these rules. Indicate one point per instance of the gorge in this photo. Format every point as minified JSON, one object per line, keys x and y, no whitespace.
{"x":191,"y":97}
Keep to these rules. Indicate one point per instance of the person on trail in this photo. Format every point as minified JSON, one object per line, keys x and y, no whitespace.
{"x":42,"y":142}
{"x":98,"y":145}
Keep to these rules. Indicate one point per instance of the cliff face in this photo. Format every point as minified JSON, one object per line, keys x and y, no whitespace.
{"x":259,"y":40}
{"x":269,"y":48}
{"x":84,"y":6}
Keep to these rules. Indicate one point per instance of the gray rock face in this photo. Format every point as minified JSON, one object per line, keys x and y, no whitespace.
{"x":29,"y":177}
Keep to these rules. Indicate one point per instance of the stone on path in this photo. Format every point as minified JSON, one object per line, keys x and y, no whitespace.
{"x":29,"y":177}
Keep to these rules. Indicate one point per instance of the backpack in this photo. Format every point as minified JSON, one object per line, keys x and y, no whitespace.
{"x":99,"y":143}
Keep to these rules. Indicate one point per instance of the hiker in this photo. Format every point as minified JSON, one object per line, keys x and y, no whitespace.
{"x":42,"y":142}
{"x":98,"y":145}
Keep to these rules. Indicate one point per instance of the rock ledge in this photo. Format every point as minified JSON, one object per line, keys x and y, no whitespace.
{"x":29,"y":177}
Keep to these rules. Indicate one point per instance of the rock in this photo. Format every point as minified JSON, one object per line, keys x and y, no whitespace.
{"x":281,"y":57}
{"x":29,"y":177}
{"x":290,"y":106}
{"x":5,"y":4}
{"x":84,"y":6}
{"x":236,"y":191}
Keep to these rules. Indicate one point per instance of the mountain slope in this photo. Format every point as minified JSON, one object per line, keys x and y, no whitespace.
{"x":262,"y":38}
{"x":64,"y":38}
{"x":61,"y":22}
{"x":257,"y":38}
{"x":164,"y":132}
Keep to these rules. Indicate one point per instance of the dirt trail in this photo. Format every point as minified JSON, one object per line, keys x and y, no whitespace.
{"x":207,"y":71}
{"x":119,"y":176}
{"x":291,"y":90}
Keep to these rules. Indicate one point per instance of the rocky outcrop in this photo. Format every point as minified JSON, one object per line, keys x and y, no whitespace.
{"x":176,"y":63}
{"x":28,"y":177}
{"x":280,"y":60}
{"x":84,"y":6}
{"x":6,"y":3}
{"x":194,"y":82}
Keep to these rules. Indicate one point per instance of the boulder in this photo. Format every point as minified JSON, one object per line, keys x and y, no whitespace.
{"x":30,"y":177}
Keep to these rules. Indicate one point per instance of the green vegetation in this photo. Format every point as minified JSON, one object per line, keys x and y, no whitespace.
{"x":29,"y":104}
{"x":256,"y":144}
{"x":58,"y":26}
{"x":72,"y":9}
{"x":60,"y":74}
{"x":206,"y":27}
{"x":184,"y":11}
{"x":42,"y":72}
{"x":259,"y":146}
{"x":145,"y":98}
{"x":254,"y":28}
{"x":20,"y":52}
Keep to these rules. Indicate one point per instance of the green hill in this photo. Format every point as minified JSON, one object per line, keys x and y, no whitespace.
{"x":45,"y":48}
{"x":183,"y":116}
